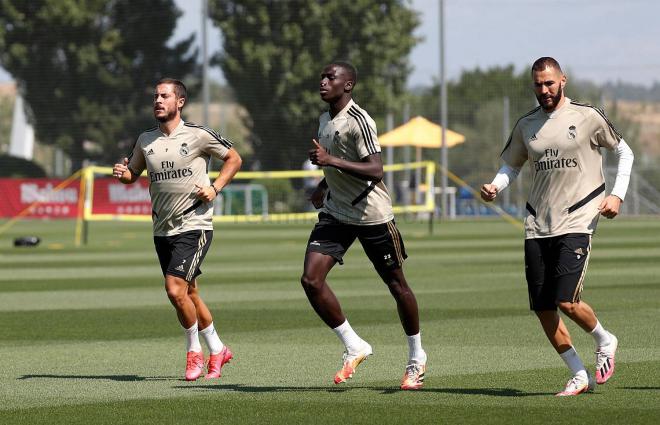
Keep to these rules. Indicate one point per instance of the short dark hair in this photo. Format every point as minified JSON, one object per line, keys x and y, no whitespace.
{"x":545,"y":62}
{"x":179,"y":88}
{"x":352,"y":72}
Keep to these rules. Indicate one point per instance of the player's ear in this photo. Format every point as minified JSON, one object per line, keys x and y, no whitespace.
{"x":348,"y":86}
{"x":180,"y":102}
{"x":563,"y":81}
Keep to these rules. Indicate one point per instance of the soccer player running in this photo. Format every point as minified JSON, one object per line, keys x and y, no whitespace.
{"x":176,"y":155}
{"x":355,"y":204}
{"x":562,"y":140}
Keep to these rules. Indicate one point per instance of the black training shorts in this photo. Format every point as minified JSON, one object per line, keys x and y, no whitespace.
{"x":381,"y":242}
{"x":181,"y":255}
{"x":555,"y":268}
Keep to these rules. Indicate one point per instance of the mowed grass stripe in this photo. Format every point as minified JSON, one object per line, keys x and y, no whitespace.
{"x":519,"y":378}
{"x":488,"y":359}
{"x":221,"y":266}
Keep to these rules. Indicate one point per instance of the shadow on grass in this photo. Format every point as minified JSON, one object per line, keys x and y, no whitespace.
{"x":495,"y":392}
{"x":641,"y":388}
{"x":118,"y":378}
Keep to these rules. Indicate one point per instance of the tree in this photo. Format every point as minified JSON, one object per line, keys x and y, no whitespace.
{"x":274,"y":52}
{"x":86,"y":69}
{"x":475,"y":109}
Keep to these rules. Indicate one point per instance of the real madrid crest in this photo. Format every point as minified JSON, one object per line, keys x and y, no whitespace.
{"x":183,"y":151}
{"x":336,"y":138}
{"x":572,"y":132}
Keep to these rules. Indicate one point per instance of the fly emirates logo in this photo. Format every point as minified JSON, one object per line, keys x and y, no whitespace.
{"x":169,"y":172}
{"x":552,"y":161}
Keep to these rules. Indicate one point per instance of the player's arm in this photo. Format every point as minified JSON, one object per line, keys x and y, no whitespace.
{"x":370,"y":168}
{"x":504,"y":177}
{"x":232,"y":163}
{"x":610,"y":206}
{"x":123,"y":173}
{"x":129,"y":170}
{"x":514,"y":155}
{"x":318,"y":194}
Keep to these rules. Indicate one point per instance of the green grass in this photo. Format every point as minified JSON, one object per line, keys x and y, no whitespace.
{"x":87,"y":334}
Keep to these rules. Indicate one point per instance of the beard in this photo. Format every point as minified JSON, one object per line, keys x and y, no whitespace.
{"x":555,"y":100}
{"x":170,"y":116}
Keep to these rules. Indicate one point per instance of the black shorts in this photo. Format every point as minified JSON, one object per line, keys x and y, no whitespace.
{"x":182,"y":255}
{"x":381,"y":242}
{"x":555,"y":268}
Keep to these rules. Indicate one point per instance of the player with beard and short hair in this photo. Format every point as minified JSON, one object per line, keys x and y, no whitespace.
{"x":562,"y":139}
{"x":176,"y":155}
{"x":355,"y":205}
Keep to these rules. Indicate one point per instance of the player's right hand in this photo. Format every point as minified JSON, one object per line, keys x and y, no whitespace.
{"x":488,"y":192}
{"x":319,"y":156}
{"x":119,"y":169}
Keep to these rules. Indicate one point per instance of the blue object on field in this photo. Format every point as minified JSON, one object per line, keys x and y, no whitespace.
{"x":464,"y":193}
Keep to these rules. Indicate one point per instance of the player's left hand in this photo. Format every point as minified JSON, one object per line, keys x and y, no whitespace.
{"x":205,"y":193}
{"x":317,"y":197}
{"x":609,"y":208}
{"x":319,"y":156}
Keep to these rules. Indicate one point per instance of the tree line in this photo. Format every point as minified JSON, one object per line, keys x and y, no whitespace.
{"x":86,"y":71}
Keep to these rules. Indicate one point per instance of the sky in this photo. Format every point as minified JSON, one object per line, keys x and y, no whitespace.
{"x":595,"y":40}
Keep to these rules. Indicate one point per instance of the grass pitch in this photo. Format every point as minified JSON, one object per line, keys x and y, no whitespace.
{"x":87,"y":334}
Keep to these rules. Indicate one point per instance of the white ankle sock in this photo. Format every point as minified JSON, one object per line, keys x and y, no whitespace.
{"x":212,"y":340}
{"x":601,"y":336}
{"x":348,"y":337}
{"x":416,"y":353}
{"x":192,"y":339}
{"x":574,"y":363}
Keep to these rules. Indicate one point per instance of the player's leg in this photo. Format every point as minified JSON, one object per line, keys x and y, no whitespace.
{"x":406,"y":302}
{"x":180,"y":257}
{"x":384,"y":246}
{"x":177,"y":292}
{"x":327,"y":245}
{"x":321,"y":297}
{"x":539,"y":266}
{"x":413,"y":377}
{"x":204,"y":316}
{"x":219,"y":353}
{"x":326,"y":305}
{"x":574,"y":253}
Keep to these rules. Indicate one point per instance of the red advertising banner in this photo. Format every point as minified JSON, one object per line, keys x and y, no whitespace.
{"x":113,"y":197}
{"x":18,"y":194}
{"x":109,"y":197}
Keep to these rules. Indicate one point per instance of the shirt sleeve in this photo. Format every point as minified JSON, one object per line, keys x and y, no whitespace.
{"x":136,"y":162}
{"x":624,"y":168}
{"x":605,"y":134}
{"x":366,"y":138}
{"x":213,"y":143}
{"x":505,"y":176}
{"x":515,"y":151}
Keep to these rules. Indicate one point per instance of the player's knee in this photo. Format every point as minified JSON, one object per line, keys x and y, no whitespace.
{"x":177,"y":298}
{"x":567,"y":308}
{"x":310,"y":282}
{"x":398,"y":287}
{"x":176,"y":294}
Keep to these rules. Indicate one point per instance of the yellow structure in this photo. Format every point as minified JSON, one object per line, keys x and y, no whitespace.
{"x":421,"y":133}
